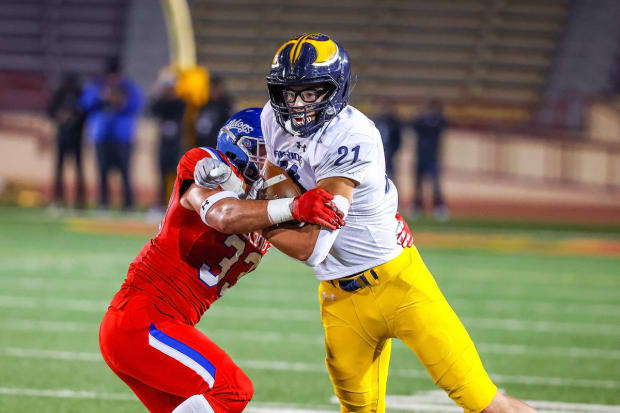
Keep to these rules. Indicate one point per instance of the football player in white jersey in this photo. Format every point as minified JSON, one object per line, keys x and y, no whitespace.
{"x":371,"y":288}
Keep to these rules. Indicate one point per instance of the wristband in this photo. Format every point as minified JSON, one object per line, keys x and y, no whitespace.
{"x":211,"y":200}
{"x":279,"y":210}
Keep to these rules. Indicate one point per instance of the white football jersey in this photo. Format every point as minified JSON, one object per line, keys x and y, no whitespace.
{"x":348,"y":146}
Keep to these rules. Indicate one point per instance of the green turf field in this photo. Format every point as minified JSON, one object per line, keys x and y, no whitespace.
{"x":547,"y":324}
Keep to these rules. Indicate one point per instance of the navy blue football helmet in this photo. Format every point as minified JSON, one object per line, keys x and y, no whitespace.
{"x":315,"y":61}
{"x":241,"y":140}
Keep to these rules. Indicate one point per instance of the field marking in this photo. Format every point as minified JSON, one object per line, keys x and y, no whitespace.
{"x":266,"y":295}
{"x":65,"y":394}
{"x":49,"y":326}
{"x":54,"y":303}
{"x":224,"y":311}
{"x":267,"y":336}
{"x":433,"y":401}
{"x":253,"y":407}
{"x":293,"y":296}
{"x":271,"y":365}
{"x":438,"y":401}
{"x":83,"y":261}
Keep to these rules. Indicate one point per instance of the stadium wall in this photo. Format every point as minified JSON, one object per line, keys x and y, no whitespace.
{"x":479,"y":166}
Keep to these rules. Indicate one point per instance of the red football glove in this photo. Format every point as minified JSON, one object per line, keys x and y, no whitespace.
{"x":316,"y":207}
{"x":404,"y":237}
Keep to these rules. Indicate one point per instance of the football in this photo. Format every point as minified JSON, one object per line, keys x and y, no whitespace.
{"x":278,"y":184}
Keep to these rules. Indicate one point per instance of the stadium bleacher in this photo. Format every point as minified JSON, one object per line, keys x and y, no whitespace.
{"x":39,"y":40}
{"x":409,"y":49}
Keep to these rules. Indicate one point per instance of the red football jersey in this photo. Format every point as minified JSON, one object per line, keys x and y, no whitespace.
{"x":188,"y":265}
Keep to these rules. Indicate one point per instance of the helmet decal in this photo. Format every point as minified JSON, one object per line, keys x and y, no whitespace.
{"x":296,"y":50}
{"x":275,"y":62}
{"x":239,"y":126}
{"x":327,"y":52}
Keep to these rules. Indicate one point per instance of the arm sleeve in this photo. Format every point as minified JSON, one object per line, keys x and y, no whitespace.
{"x":327,"y":237}
{"x":349,"y":161}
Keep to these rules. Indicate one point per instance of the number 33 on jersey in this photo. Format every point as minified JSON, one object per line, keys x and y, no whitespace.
{"x":196,"y":263}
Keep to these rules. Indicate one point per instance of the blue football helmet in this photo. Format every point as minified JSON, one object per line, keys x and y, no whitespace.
{"x":312,"y":60}
{"x":241,"y":140}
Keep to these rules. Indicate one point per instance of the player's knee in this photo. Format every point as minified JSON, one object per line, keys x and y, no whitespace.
{"x":194,"y":404}
{"x":241,"y":392}
{"x":243,"y":386}
{"x":357,"y":402}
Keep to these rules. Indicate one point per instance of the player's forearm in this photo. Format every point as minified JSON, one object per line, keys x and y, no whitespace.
{"x":296,"y":242}
{"x":235,"y":216}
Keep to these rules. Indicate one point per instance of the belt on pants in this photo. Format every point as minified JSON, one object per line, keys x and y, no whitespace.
{"x":354,"y":282}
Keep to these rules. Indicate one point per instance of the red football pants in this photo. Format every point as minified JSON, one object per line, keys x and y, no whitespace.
{"x":165,"y":361}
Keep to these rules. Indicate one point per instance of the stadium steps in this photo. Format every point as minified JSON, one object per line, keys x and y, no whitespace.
{"x":471,"y":48}
{"x":52,"y":37}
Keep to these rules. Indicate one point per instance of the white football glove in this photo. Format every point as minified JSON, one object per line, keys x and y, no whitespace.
{"x":210,"y":173}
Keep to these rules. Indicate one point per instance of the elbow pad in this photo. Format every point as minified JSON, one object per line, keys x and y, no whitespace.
{"x":327,"y":237}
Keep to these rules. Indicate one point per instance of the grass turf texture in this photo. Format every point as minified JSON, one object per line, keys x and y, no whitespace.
{"x":532,"y":316}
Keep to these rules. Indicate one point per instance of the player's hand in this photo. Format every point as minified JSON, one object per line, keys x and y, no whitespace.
{"x":210,"y":173}
{"x":255,"y":189}
{"x":316,"y":207}
{"x":404,"y":236}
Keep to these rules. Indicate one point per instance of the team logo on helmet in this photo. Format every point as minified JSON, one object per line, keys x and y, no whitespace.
{"x":239,"y":125}
{"x":324,"y":49}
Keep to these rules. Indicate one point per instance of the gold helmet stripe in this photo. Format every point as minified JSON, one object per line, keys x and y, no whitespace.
{"x":326,"y":50}
{"x":296,"y":50}
{"x":275,"y":57}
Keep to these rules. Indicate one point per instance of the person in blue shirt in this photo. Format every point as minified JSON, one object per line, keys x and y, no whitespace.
{"x":112,"y":104}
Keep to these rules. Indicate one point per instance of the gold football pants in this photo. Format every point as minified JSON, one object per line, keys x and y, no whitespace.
{"x":401,"y":301}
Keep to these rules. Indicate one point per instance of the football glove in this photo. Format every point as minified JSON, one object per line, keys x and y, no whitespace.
{"x":404,"y":237}
{"x":316,"y":207}
{"x":210,"y":173}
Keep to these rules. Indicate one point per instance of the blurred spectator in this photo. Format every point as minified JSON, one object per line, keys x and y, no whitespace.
{"x":169,"y":109}
{"x":429,"y":127}
{"x":64,"y":109}
{"x":213,"y":114}
{"x":389,"y":126}
{"x":112,"y":104}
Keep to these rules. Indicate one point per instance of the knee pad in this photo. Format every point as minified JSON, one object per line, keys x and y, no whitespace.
{"x":194,"y":404}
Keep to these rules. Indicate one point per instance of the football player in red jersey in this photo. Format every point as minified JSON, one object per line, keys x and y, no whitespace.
{"x":206,"y":242}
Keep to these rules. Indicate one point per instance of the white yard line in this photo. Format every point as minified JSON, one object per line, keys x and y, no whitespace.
{"x":295,"y":296}
{"x":224,"y":311}
{"x":265,"y":336}
{"x":270,"y":365}
{"x":437,"y":401}
{"x":49,"y":326}
{"x":428,"y":402}
{"x":96,"y":306}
